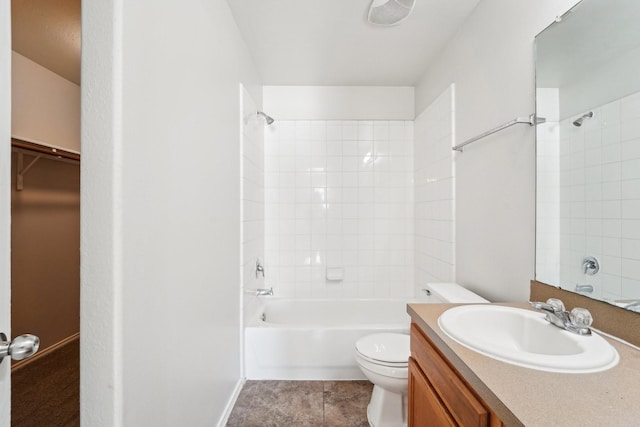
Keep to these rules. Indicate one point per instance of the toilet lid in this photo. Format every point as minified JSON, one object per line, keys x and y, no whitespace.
{"x":385,"y":347}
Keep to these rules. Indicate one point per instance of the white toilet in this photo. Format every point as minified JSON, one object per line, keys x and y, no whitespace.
{"x":384,"y":360}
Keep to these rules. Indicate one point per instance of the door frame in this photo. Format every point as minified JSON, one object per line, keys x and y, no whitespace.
{"x":5,"y":203}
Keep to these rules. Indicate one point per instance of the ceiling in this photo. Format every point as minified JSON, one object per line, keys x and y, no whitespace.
{"x":329,"y":42}
{"x":48,"y":32}
{"x":292,"y":42}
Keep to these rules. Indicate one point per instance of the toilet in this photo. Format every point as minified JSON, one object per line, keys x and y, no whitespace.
{"x":384,"y":360}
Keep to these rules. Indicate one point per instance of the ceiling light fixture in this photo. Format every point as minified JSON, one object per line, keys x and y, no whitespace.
{"x":389,"y":12}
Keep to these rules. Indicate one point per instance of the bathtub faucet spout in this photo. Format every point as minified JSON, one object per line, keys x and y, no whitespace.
{"x":264,"y":292}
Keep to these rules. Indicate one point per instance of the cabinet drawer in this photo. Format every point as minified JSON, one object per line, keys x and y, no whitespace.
{"x":465,"y":408}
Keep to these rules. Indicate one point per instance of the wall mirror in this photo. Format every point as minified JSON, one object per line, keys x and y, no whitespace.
{"x":588,"y":152}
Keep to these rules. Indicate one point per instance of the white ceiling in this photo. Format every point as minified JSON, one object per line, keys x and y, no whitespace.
{"x":329,"y":42}
{"x":293,"y":42}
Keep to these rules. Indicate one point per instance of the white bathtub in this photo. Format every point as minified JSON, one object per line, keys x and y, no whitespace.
{"x":314,"y":339}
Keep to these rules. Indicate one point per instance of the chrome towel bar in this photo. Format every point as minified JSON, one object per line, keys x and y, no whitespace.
{"x":532,"y":120}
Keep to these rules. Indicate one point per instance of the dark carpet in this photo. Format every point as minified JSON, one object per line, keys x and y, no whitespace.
{"x":46,"y":392}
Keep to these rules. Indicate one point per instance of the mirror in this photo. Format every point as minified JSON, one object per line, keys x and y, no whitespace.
{"x":588,"y":152}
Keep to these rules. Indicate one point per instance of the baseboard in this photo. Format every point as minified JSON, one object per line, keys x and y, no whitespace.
{"x":232,"y":401}
{"x":22,"y":363}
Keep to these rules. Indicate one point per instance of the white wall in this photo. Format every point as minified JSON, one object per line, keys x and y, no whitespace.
{"x":161,"y":211}
{"x":46,"y":107}
{"x":5,"y":202}
{"x":434,"y":185}
{"x":491,"y":61}
{"x":339,"y":102}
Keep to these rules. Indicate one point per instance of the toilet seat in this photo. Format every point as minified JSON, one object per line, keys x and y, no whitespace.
{"x":380,"y":363}
{"x":378,"y":369}
{"x":385,"y":349}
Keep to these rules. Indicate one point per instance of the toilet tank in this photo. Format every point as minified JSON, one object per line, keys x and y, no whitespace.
{"x":453,"y":293}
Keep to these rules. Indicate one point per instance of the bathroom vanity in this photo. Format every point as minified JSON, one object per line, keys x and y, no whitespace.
{"x":450,"y":384}
{"x":438,"y":394}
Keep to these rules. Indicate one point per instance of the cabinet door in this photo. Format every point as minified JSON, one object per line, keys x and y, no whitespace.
{"x":459,"y":400}
{"x":425,"y":407}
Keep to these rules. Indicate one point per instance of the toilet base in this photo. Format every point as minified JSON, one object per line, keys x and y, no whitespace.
{"x":387,"y":409}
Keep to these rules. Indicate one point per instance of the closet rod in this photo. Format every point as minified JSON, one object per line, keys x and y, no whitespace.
{"x":532,"y":120}
{"x":55,"y":153}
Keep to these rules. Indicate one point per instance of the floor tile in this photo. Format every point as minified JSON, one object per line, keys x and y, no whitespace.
{"x":302,"y":403}
{"x":345,"y":403}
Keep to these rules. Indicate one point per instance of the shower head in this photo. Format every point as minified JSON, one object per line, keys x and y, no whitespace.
{"x":578,"y":122}
{"x":267,"y":118}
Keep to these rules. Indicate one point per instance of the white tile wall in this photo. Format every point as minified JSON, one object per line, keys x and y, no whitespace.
{"x":600,"y":198}
{"x":339,"y":194}
{"x":434,"y":192}
{"x":252,"y":197}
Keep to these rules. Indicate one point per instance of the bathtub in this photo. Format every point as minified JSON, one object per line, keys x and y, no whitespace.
{"x":314,"y":339}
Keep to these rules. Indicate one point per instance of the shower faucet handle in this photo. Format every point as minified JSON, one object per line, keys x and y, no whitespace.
{"x":590,"y":265}
{"x":259,"y":268}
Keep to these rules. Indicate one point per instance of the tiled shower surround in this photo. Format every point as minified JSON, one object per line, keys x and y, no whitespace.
{"x":339,"y":202}
{"x":598,"y":211}
{"x":434,"y":192}
{"x":252,"y":189}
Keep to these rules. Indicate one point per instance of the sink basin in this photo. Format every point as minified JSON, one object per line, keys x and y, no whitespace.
{"x":524,"y":338}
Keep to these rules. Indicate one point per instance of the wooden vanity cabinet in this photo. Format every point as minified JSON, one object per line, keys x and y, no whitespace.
{"x":438,"y":396}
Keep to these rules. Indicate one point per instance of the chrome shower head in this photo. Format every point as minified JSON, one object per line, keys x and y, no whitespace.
{"x":578,"y":122}
{"x":267,"y":118}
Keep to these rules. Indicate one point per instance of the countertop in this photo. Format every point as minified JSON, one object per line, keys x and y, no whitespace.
{"x":522,"y":396}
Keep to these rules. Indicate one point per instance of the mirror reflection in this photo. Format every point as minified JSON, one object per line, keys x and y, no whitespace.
{"x":588,"y":152}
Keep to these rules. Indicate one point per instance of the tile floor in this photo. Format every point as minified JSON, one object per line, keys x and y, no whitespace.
{"x":302,"y":403}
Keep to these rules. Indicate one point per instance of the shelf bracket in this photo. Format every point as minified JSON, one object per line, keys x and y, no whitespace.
{"x":22,"y":170}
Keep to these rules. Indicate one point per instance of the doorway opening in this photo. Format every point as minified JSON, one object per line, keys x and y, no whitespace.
{"x":45,"y":209}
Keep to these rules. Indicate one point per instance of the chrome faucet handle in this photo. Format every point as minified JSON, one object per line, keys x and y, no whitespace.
{"x":541,"y":306}
{"x":581,"y":317}
{"x":259,"y":268}
{"x":590,"y":265}
{"x":553,"y":305}
{"x":556,"y":314}
{"x":557,"y":304}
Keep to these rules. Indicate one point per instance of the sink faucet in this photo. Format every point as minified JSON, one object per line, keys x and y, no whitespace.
{"x":576,"y":321}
